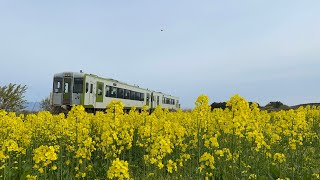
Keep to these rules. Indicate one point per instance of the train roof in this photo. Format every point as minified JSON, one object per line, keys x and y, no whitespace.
{"x":75,"y":74}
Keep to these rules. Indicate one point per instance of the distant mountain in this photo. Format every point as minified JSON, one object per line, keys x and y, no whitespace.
{"x":32,"y":106}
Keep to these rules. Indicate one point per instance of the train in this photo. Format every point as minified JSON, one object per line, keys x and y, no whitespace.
{"x":94,"y":93}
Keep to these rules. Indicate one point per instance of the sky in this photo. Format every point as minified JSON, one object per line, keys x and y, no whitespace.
{"x":264,"y":50}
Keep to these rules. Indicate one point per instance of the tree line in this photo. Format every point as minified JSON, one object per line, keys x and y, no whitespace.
{"x":12,"y":100}
{"x":271,"y":106}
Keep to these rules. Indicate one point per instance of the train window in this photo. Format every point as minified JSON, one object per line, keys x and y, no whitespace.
{"x":173,"y":102}
{"x":158,"y":100}
{"x":78,"y":85}
{"x":141,"y":96}
{"x":87,"y":87}
{"x":120,"y":93}
{"x":91,"y":88}
{"x":137,"y":96}
{"x":107,"y":91}
{"x":126,"y":94}
{"x":163,"y":100}
{"x":113,"y":92}
{"x":57,"y":85}
{"x":100,"y":89}
{"x":133,"y":93}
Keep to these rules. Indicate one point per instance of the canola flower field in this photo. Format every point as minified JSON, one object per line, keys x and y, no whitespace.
{"x":240,"y":142}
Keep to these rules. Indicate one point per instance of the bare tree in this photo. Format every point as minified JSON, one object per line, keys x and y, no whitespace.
{"x":46,"y":105}
{"x":12,"y":97}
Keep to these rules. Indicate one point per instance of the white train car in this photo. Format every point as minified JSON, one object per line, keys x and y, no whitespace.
{"x":95,"y":93}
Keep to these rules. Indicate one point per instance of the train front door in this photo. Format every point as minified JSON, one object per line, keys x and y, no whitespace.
{"x":67,"y":91}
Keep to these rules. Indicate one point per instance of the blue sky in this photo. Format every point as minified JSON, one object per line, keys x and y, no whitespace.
{"x":263,"y":50}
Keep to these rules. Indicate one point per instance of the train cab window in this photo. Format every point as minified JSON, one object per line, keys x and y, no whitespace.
{"x":107,"y":94}
{"x":78,"y":85}
{"x":91,"y":88}
{"x":57,"y":87}
{"x":141,"y":96}
{"x":133,"y":93}
{"x":87,"y":87}
{"x":120,"y":93}
{"x":126,"y":94}
{"x":173,"y":102}
{"x":158,"y":100}
{"x":113,"y":92}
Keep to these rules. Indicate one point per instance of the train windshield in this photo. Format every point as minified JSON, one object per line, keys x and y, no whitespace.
{"x":78,"y":85}
{"x":57,"y":85}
